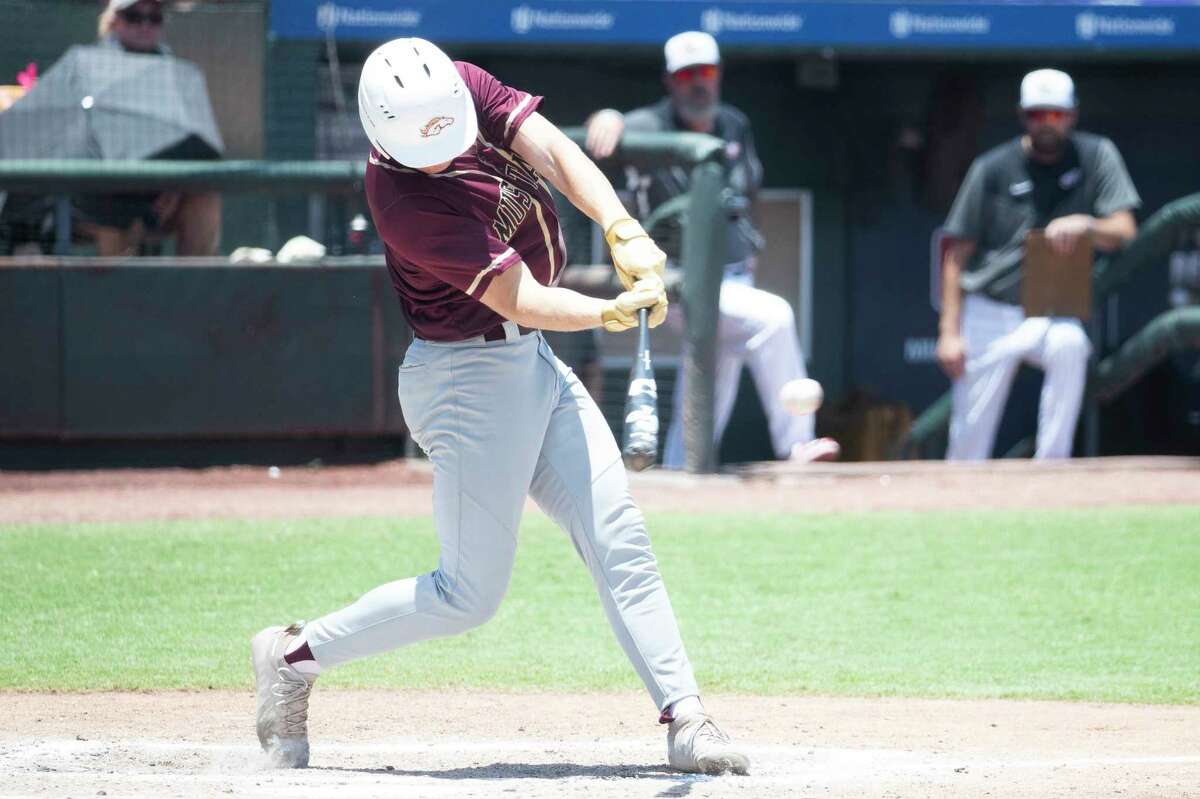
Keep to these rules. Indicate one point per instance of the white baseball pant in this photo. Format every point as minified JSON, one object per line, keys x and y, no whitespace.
{"x":757,"y":328}
{"x":998,"y":338}
{"x":501,"y":421}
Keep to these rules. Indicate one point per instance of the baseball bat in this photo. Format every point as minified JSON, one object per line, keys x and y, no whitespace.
{"x":639,"y":448}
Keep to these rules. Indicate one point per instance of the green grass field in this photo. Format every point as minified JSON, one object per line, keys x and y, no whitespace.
{"x":1088,"y":604}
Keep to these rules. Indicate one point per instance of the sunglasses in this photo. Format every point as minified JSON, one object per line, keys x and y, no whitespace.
{"x":1047,"y":115}
{"x":135,"y":18}
{"x":694,"y":73}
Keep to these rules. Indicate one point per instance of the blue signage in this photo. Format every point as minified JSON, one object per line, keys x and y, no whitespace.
{"x":915,"y":26}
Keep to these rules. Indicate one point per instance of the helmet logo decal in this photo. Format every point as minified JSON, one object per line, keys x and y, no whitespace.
{"x":435,"y":126}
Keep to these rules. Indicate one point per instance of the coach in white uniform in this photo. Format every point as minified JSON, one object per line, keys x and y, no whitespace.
{"x":754,"y":326}
{"x":1071,"y":185}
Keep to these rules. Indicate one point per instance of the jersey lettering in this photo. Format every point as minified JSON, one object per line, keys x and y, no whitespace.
{"x":511,"y":210}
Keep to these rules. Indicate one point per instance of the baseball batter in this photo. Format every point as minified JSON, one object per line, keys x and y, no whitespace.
{"x":456,"y":186}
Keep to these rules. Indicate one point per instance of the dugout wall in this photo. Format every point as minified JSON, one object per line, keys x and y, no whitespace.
{"x":157,"y":348}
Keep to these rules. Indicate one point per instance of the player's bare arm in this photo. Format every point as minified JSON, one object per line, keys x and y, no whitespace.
{"x":558,"y":159}
{"x":517,"y":295}
{"x":951,"y":350}
{"x":1108,"y":233}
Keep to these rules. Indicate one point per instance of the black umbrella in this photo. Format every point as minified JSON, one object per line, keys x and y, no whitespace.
{"x":103,"y":102}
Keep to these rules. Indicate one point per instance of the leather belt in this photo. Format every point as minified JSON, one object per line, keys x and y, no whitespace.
{"x":497,"y":333}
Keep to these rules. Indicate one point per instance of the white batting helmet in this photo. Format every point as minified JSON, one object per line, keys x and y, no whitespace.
{"x":413,"y":104}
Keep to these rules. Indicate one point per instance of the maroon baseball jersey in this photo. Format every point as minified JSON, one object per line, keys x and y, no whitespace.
{"x":448,"y":235}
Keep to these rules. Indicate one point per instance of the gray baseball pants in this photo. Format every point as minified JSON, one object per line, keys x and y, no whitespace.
{"x":501,"y":421}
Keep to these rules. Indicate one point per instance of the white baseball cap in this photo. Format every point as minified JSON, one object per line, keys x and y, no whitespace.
{"x":691,"y":48}
{"x":1047,"y":88}
{"x":121,"y":5}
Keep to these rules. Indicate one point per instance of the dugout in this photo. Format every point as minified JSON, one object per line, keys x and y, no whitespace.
{"x":873,"y":135}
{"x":874,"y":145}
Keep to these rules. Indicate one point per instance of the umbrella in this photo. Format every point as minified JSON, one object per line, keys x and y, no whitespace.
{"x":103,"y":102}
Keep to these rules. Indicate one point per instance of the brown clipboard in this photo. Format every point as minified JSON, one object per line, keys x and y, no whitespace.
{"x":1054,"y":284}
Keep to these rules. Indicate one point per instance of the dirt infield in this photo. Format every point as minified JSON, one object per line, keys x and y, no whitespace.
{"x":458,"y":745}
{"x":401,"y":488}
{"x":370,"y":743}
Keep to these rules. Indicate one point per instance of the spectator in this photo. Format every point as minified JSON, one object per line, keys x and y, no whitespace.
{"x":1072,"y":184}
{"x":754,"y":326}
{"x":120,"y":224}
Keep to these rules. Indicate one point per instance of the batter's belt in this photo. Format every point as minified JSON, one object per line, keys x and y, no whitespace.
{"x":497,"y":333}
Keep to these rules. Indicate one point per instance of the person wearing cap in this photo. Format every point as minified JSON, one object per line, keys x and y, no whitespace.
{"x":1073,"y":185}
{"x":457,"y":183}
{"x":754,"y":327}
{"x":119,"y":224}
{"x":134,"y":25}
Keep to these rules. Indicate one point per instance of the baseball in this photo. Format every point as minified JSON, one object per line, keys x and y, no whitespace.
{"x":800,"y":397}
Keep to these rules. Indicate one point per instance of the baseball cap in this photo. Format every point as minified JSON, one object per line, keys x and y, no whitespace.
{"x":1047,"y":88}
{"x":691,"y":48}
{"x":121,"y":5}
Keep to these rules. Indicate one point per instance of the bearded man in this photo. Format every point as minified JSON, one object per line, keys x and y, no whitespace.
{"x":1072,"y":186}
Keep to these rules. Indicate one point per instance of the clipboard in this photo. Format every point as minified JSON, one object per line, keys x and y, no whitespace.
{"x":1057,"y":285}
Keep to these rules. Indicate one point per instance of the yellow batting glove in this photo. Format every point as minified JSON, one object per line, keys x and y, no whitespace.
{"x":622,"y":313}
{"x":658,"y":311}
{"x":634,"y":253}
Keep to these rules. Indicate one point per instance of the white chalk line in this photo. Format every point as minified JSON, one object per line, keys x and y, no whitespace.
{"x":804,"y":755}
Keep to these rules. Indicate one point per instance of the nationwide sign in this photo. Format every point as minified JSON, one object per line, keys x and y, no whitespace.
{"x":905,"y":23}
{"x":331,"y":16}
{"x":717,"y":21}
{"x":875,"y":26}
{"x":1090,"y":26}
{"x":527,"y":19}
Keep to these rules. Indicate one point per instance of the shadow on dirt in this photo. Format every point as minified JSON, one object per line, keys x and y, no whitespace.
{"x":541,"y":771}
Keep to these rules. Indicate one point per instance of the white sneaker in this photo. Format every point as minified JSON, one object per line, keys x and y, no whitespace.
{"x":695,"y":743}
{"x":820,"y":449}
{"x":282,"y":698}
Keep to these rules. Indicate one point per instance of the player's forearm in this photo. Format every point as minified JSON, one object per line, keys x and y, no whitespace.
{"x":554,"y":308}
{"x":582,"y":182}
{"x":560,"y":161}
{"x":517,"y":296}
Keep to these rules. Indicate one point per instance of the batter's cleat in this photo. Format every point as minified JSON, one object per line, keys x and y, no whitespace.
{"x":696,"y":744}
{"x":820,"y":449}
{"x":282,"y":698}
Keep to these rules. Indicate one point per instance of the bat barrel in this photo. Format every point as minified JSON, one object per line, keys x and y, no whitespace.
{"x":639,"y":448}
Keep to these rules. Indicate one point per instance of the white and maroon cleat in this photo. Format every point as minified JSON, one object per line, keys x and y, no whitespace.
{"x":282,"y":699}
{"x":696,"y":744}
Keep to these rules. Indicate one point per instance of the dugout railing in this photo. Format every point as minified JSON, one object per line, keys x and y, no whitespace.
{"x":137,"y":347}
